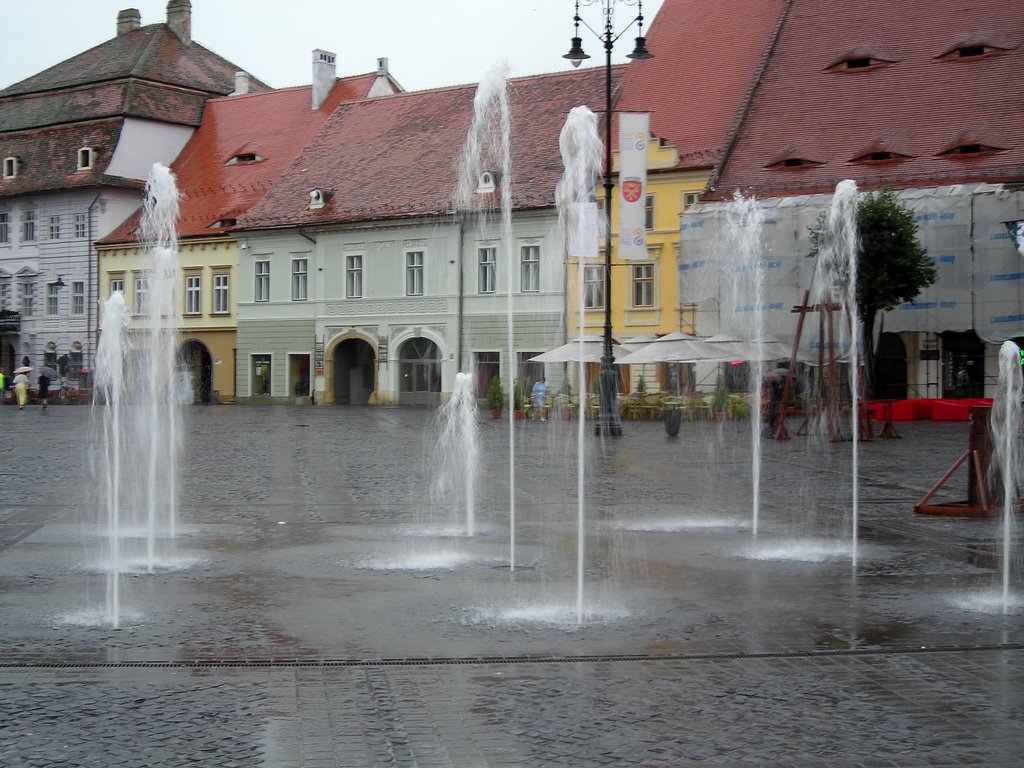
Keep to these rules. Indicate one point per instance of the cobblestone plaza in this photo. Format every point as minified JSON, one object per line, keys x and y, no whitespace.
{"x":318,"y":608}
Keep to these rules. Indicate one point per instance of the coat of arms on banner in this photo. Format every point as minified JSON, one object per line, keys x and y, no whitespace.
{"x":632,"y":189}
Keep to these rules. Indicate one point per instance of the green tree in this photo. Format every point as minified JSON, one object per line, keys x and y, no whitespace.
{"x":892,"y":265}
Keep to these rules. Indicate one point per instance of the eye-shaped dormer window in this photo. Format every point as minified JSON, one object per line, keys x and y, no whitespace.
{"x":970,"y":48}
{"x":245,"y":157}
{"x":879,"y":156}
{"x":859,"y":61}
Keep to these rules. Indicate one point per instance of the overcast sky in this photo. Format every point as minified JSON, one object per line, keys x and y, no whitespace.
{"x":429,"y":43}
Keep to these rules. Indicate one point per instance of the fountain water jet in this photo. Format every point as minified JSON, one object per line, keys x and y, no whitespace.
{"x":458,"y":451}
{"x":140,"y":393}
{"x":1005,"y":427}
{"x":488,"y":148}
{"x":836,"y":277}
{"x":581,"y":148}
{"x":744,"y":239}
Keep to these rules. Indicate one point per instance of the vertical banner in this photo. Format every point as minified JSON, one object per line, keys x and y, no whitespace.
{"x":583,"y":231}
{"x":633,"y":132}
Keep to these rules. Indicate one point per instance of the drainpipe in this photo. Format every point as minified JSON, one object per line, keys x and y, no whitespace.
{"x":92,"y":335}
{"x":462,"y":290}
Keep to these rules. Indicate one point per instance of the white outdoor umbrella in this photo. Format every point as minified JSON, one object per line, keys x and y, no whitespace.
{"x":675,"y":347}
{"x":593,"y":349}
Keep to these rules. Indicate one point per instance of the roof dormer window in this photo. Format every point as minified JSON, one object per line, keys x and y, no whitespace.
{"x":86,"y":155}
{"x":858,"y":61}
{"x":793,"y":162}
{"x":971,"y":48}
{"x":221,"y":223}
{"x":879,"y":156}
{"x":245,"y":157}
{"x":970,"y":149}
{"x":318,"y":198}
{"x":11,"y":166}
{"x":487,"y":183}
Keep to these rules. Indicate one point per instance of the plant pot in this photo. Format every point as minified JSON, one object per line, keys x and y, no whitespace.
{"x":495,"y":413}
{"x":519,"y":415}
{"x":720,"y":415}
{"x":567,"y":414}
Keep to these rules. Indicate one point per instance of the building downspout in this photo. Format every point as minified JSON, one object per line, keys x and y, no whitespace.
{"x":92,"y":334}
{"x":462,"y":292}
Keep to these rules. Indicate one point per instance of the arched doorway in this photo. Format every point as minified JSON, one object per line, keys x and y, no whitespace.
{"x":354,"y":366}
{"x":891,"y":368}
{"x":195,"y":360}
{"x":419,"y":371}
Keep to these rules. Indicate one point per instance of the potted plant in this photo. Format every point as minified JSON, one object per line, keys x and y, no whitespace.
{"x":520,"y":400}
{"x":720,"y":398}
{"x":495,"y":397}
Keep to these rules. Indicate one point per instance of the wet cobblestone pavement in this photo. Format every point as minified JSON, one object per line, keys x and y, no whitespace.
{"x":320,"y":607}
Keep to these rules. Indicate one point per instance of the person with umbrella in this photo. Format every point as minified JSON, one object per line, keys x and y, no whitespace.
{"x":21,"y":385}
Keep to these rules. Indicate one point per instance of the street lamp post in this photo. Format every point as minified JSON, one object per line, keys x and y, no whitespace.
{"x":608,"y":422}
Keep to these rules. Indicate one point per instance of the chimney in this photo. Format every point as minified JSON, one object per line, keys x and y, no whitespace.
{"x":127,"y":20}
{"x":324,"y":75}
{"x":241,"y":84}
{"x":179,"y":19}
{"x":382,"y":84}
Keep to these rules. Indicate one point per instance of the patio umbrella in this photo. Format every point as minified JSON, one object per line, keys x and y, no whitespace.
{"x":675,"y":347}
{"x":593,"y":349}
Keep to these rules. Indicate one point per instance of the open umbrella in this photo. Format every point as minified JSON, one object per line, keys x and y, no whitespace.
{"x":675,"y":347}
{"x":23,"y":369}
{"x":593,"y":350}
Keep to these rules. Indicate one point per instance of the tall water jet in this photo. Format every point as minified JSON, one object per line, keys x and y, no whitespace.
{"x":1005,"y":426}
{"x":581,"y":148}
{"x":744,"y":245}
{"x":836,"y":279}
{"x":458,"y":450}
{"x":140,"y":394}
{"x":488,"y":149}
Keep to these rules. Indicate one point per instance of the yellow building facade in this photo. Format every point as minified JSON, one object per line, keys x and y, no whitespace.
{"x":644,"y":294}
{"x":207,"y":307}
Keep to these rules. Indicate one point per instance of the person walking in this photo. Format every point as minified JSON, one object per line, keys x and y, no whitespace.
{"x":44,"y":388}
{"x":21,"y":389}
{"x":3,"y":387}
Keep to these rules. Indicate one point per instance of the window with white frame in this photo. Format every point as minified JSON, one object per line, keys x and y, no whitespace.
{"x":221,"y":293}
{"x":643,"y":285}
{"x":141,"y":304}
{"x":11,"y":167}
{"x":487,"y":258}
{"x":54,"y":230}
{"x":193,"y":294}
{"x":28,"y":226}
{"x":529,"y":260}
{"x":5,"y":227}
{"x":116,"y":284}
{"x":261,"y":290}
{"x":85,"y":157}
{"x":593,"y":287}
{"x":5,"y":295}
{"x":52,"y":299}
{"x":50,"y":355}
{"x":77,"y":297}
{"x":414,"y":273}
{"x":649,"y":212}
{"x":80,"y":225}
{"x":354,"y":276}
{"x":28,"y":297}
{"x":300,"y":276}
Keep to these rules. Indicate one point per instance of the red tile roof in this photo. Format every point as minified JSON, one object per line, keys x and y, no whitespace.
{"x":397,"y":156}
{"x":152,"y":52}
{"x":916,"y":102}
{"x":49,"y":157}
{"x":706,"y":55}
{"x":274,"y":125}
